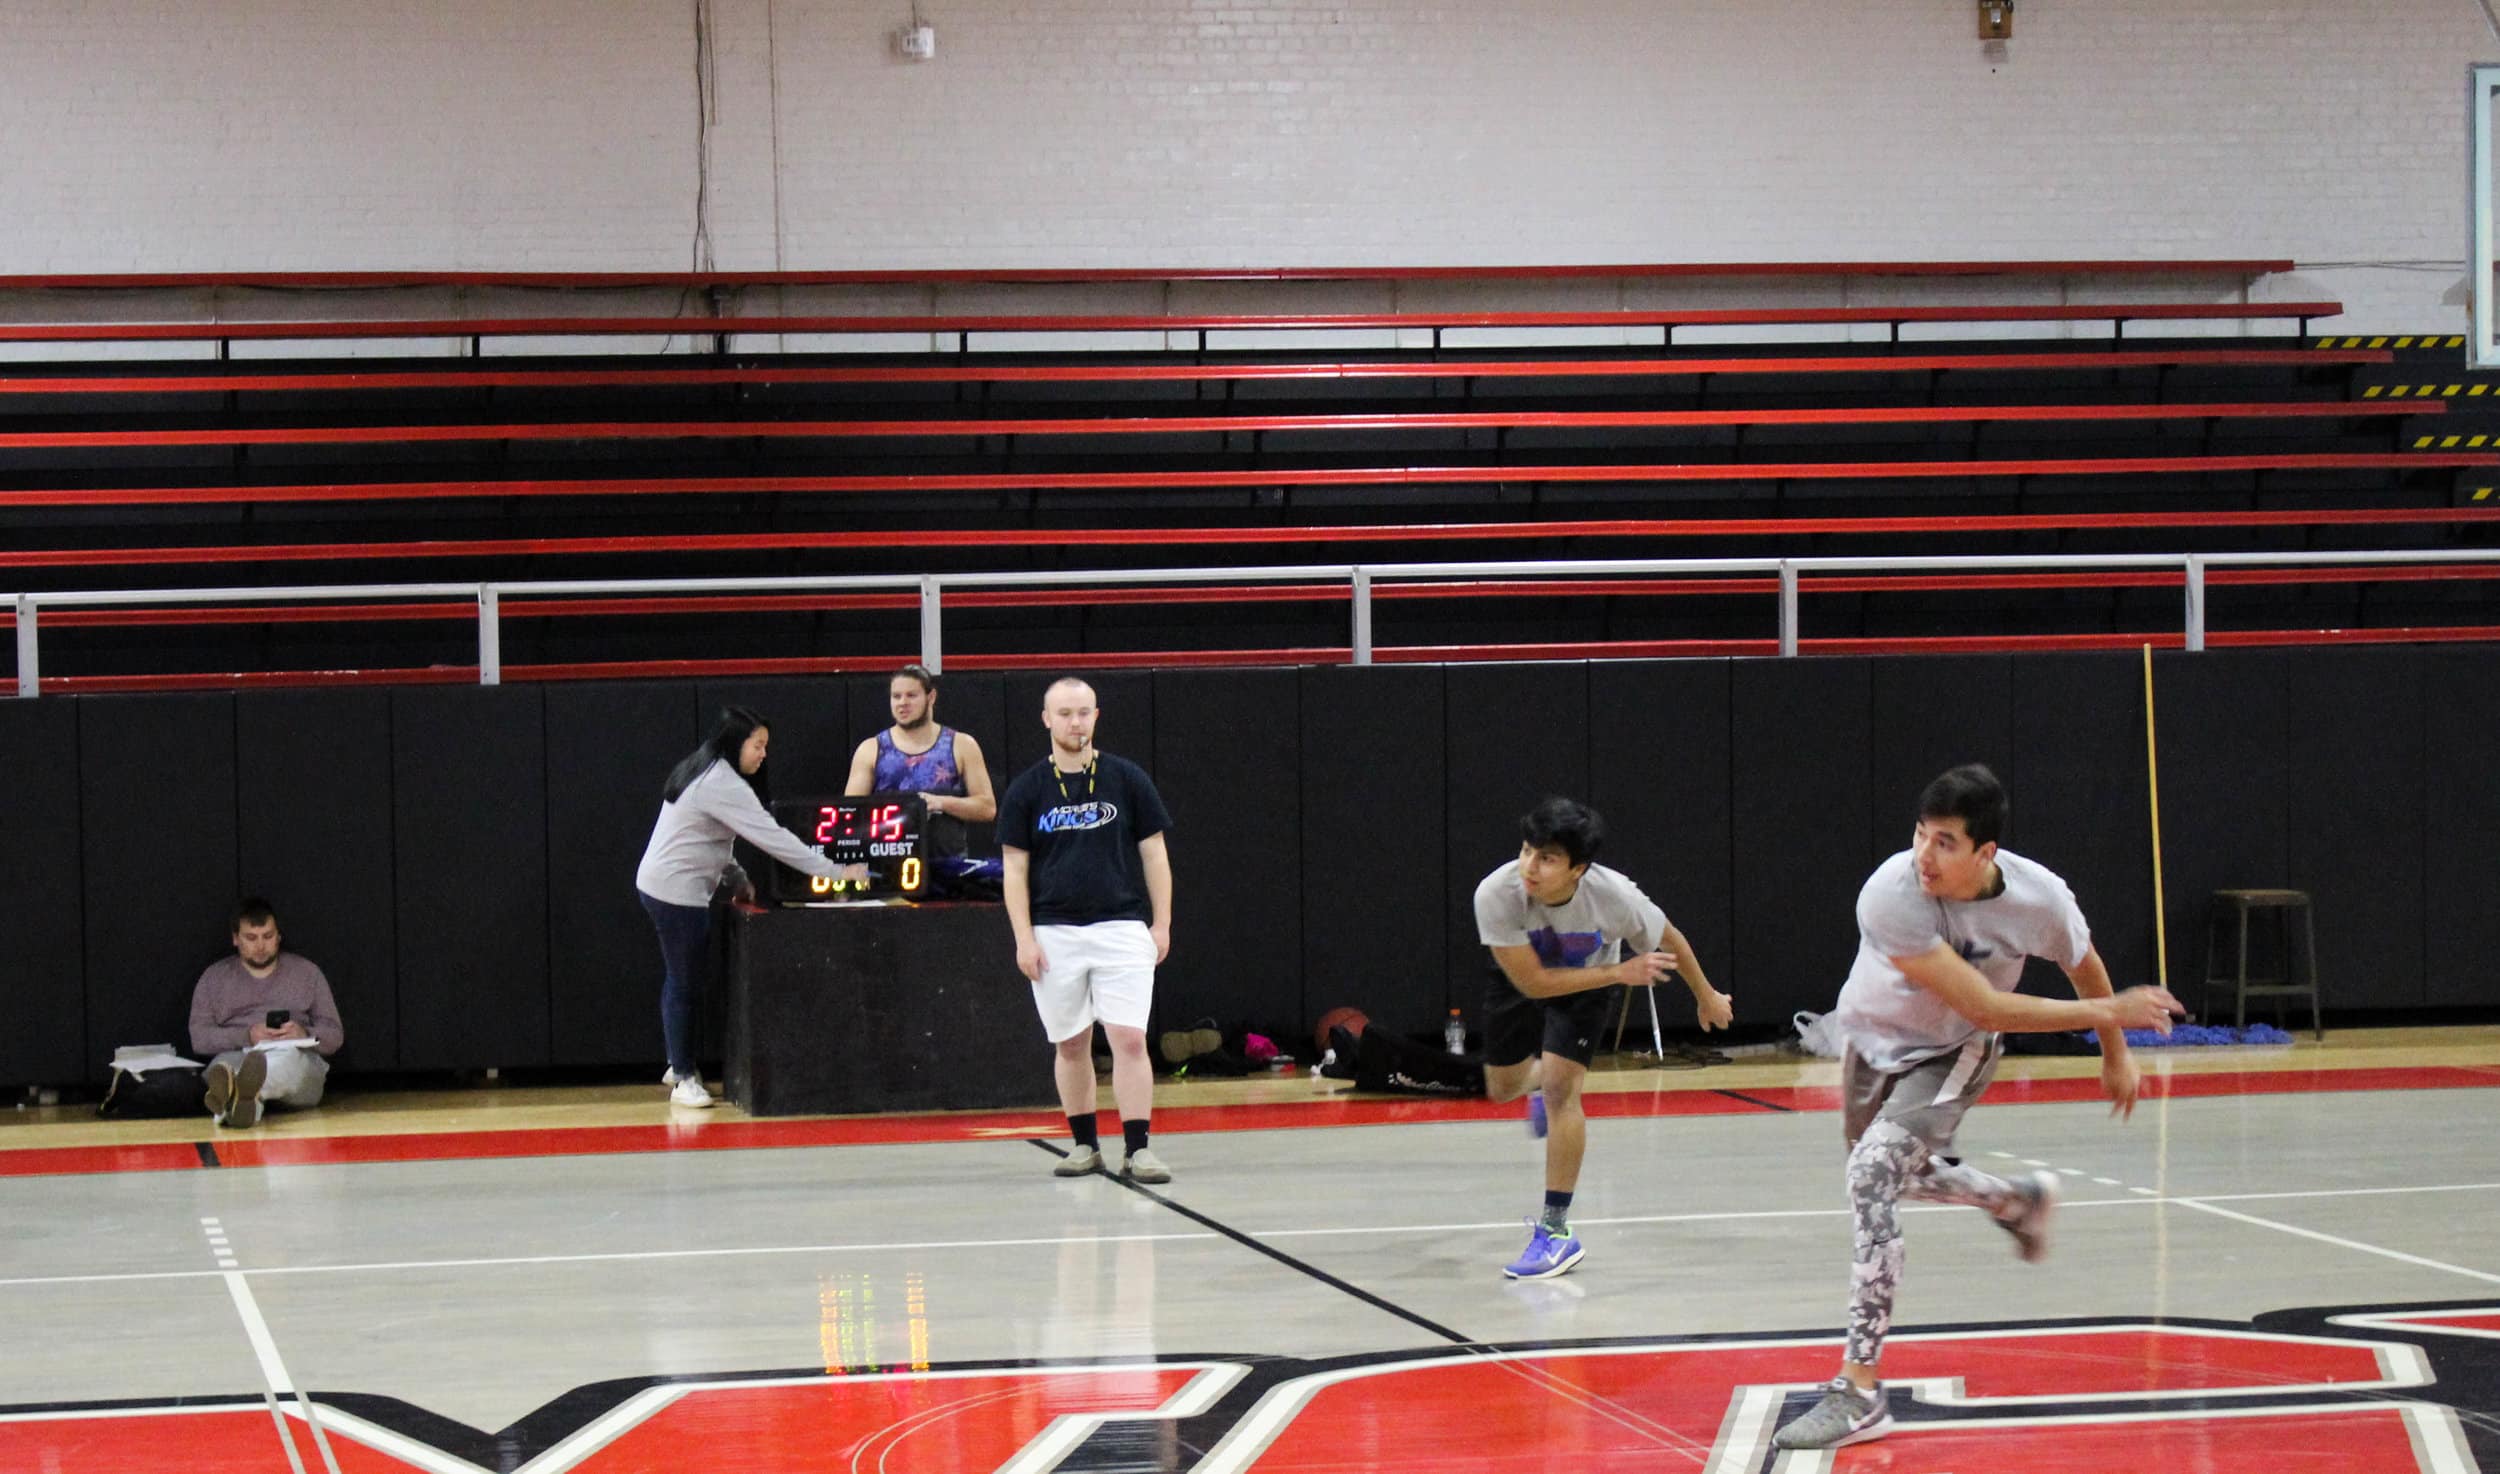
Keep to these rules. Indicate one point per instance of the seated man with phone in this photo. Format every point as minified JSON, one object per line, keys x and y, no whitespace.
{"x":267,"y":1017}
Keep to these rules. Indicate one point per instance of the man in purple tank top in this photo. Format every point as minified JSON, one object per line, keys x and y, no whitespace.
{"x":916,"y":755}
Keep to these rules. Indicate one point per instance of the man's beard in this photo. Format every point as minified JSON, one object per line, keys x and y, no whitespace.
{"x":918,"y":723}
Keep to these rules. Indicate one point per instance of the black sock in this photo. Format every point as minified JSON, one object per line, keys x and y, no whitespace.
{"x":1133,"y":1133}
{"x":1557,"y":1210}
{"x":1082,"y":1128}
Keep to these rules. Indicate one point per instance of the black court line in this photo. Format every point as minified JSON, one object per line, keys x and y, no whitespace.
{"x":1280,"y":1256}
{"x":1757,"y":1101}
{"x":208,"y":1155}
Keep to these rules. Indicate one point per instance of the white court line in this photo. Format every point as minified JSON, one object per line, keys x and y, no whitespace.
{"x":2328,"y":1238}
{"x":2423,"y":1320}
{"x":634,"y":1255}
{"x":399,"y":1446}
{"x":1046,"y":1450}
{"x":2144,"y":1197}
{"x":267,"y":1351}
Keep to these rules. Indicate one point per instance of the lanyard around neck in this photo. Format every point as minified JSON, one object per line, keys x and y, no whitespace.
{"x":1090,"y":764}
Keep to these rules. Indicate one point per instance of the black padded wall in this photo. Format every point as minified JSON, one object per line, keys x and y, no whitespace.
{"x":2080,"y":801}
{"x":1513,"y":735}
{"x":810,"y":719}
{"x":157,"y":830}
{"x":41,"y":895}
{"x":1374,"y":882}
{"x":1926,"y":716}
{"x":313,"y":817}
{"x":1126,"y":726}
{"x":609,"y":748}
{"x":2224,"y":809}
{"x":974,"y":704}
{"x":2461,"y":792}
{"x":1930,"y":715}
{"x":864,"y":701}
{"x":461,"y":860}
{"x":2354,"y":765}
{"x":1659,"y":773}
{"x":1799,"y":730}
{"x":469,"y":804}
{"x":1227,"y":767}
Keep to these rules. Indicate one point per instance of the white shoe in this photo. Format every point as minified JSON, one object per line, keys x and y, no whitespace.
{"x":691,"y":1094}
{"x":669,"y":1075}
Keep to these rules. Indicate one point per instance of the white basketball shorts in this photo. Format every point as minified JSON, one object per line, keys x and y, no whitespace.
{"x":1104,"y":971}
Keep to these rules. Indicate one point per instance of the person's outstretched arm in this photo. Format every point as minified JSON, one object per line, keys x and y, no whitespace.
{"x":1941,"y":971}
{"x":1535,"y":979}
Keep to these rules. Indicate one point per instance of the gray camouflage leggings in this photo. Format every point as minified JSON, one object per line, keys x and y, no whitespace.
{"x":1887,"y":1165}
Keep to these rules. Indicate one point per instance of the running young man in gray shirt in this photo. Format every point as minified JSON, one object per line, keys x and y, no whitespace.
{"x":1557,"y":925}
{"x":1944,"y":928}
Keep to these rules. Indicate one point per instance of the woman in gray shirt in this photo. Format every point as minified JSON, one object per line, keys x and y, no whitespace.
{"x":714,"y":797}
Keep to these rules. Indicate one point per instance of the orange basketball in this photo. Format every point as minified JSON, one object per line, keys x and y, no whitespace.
{"x":1352,"y":1020}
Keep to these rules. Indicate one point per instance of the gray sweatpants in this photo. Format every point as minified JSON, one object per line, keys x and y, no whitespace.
{"x":295,"y":1075}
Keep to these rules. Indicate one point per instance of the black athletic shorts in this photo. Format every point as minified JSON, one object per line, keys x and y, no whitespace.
{"x":1517,"y":1026}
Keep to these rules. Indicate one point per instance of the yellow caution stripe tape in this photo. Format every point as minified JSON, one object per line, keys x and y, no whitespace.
{"x":2412,"y":340}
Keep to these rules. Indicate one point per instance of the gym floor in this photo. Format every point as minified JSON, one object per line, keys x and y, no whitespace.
{"x":2283,"y":1261}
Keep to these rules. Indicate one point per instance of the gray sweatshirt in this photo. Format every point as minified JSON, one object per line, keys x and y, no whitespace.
{"x":229,"y":1000}
{"x":698,"y":829}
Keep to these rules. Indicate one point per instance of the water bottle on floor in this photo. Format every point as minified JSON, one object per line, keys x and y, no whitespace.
{"x":1454,"y":1034}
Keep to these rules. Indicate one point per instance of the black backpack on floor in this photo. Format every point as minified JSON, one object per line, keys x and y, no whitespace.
{"x":159,"y":1094}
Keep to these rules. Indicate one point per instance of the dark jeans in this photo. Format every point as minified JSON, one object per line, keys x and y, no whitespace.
{"x":684,"y":931}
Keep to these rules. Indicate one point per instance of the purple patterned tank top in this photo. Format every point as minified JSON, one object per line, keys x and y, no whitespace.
{"x":933,"y":771}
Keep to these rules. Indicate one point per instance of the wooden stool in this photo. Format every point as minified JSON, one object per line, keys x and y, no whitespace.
{"x":2228,"y":918}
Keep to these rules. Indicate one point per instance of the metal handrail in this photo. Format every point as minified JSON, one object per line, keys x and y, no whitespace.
{"x":1362,"y":579}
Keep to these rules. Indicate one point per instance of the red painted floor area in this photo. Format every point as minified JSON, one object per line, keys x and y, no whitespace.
{"x":1686,"y":1407}
{"x":902,"y":1422}
{"x":225,"y":1441}
{"x":244,"y":1150}
{"x":2052,"y":1400}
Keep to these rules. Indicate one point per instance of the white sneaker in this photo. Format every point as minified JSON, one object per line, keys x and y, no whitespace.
{"x":691,"y":1094}
{"x":669,"y":1075}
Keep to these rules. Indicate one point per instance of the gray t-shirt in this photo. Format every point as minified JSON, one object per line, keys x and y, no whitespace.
{"x":1589,"y":930}
{"x":1893,"y":1023}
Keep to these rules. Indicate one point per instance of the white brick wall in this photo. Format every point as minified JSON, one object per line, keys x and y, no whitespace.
{"x":560,"y":134}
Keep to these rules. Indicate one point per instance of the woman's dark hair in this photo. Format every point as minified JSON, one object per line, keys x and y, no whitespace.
{"x":1565,"y":825}
{"x":1971,"y":794}
{"x":926,"y":677}
{"x":729,"y":733}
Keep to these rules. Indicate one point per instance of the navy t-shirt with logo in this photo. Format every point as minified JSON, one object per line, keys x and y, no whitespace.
{"x":1082,"y":831}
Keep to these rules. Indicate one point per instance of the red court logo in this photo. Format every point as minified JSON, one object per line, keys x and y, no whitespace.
{"x":2357,"y":1391}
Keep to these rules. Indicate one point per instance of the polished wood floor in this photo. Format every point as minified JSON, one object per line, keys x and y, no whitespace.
{"x":351,"y":1112}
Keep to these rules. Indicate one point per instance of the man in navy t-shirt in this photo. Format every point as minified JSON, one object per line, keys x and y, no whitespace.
{"x":1089,"y":892}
